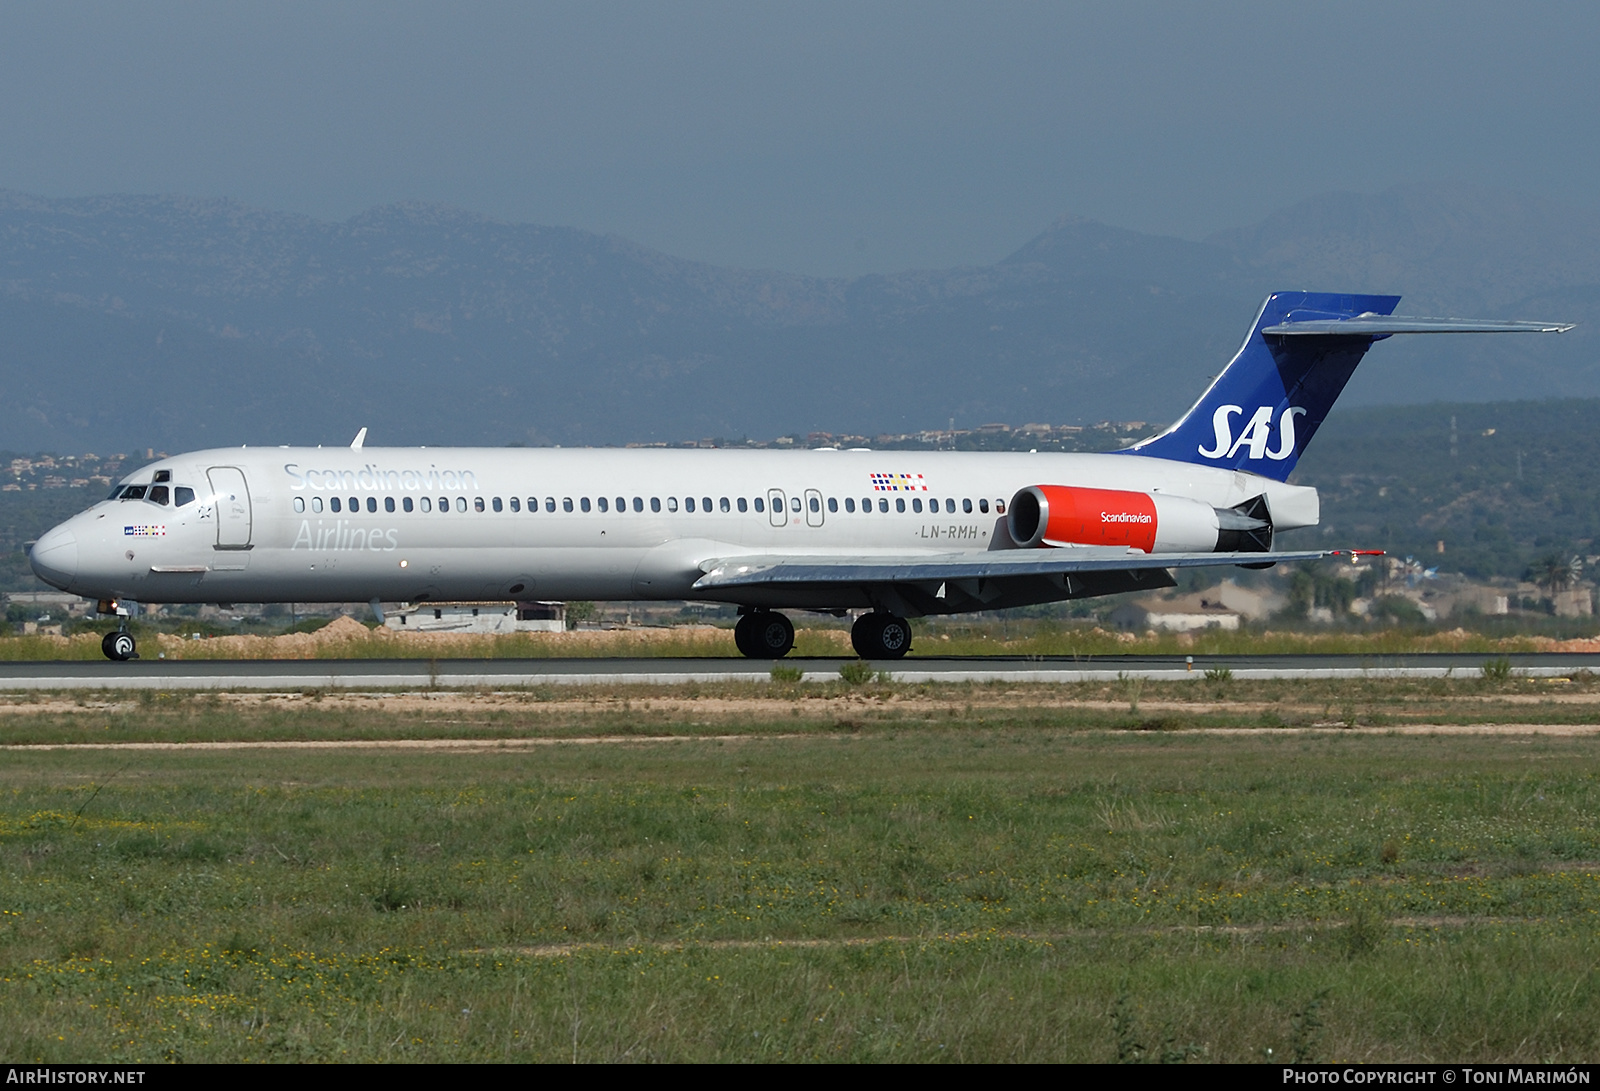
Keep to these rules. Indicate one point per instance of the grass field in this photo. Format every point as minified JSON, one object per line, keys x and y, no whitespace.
{"x":346,"y":638}
{"x":884,"y":872}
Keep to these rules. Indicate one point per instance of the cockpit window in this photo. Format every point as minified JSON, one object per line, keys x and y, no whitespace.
{"x":182,"y":495}
{"x":163,"y":477}
{"x":134,"y":492}
{"x":158,"y":494}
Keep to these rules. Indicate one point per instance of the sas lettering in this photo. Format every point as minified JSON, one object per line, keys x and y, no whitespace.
{"x":1256,"y":435}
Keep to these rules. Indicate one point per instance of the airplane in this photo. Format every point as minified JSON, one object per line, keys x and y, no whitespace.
{"x":896,"y":534}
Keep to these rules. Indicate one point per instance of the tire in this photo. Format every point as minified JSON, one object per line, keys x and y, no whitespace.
{"x":864,"y":636}
{"x":881,"y":636}
{"x":119,"y":646}
{"x":742,"y":636}
{"x":771,"y":636}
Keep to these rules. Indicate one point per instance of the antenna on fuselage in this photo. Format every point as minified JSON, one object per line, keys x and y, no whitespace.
{"x":361,"y":437}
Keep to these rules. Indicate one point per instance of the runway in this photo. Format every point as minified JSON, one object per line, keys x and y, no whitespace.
{"x":408,"y":674}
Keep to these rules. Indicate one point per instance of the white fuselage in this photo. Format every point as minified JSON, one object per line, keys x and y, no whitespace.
{"x":262,"y":526}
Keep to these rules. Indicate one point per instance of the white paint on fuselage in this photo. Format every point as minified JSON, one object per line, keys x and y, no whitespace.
{"x":309,"y":556}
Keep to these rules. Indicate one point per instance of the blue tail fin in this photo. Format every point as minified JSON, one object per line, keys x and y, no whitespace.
{"x":1263,"y":409}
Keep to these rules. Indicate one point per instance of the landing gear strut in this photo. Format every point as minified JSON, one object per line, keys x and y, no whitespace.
{"x":880,"y":636}
{"x":763,"y":634}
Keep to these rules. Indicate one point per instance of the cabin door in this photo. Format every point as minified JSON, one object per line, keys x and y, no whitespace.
{"x":230,"y":498}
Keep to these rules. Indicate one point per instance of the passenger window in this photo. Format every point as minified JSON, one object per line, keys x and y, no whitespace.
{"x":916,"y":505}
{"x":316,"y":501}
{"x":605,"y":505}
{"x":850,"y":503}
{"x":497,"y":505}
{"x":583,"y":502}
{"x":408,"y":503}
{"x":814,"y":504}
{"x":794,"y":503}
{"x":183,"y":494}
{"x":983,"y":506}
{"x":744,"y":505}
{"x":966,"y":505}
{"x":299,"y":503}
{"x":672,"y":503}
{"x":158,"y":495}
{"x":444,"y":504}
{"x":705,"y":505}
{"x":999,"y":507}
{"x":477,"y":503}
{"x":622,"y":503}
{"x":388,"y":503}
{"x":566,"y":503}
{"x":162,"y":476}
{"x":461,"y":503}
{"x":516,"y":505}
{"x":427,"y":505}
{"x":134,"y":492}
{"x":550,"y":504}
{"x":900,"y":503}
{"x":355,"y":503}
{"x":655,"y":503}
{"x":883,"y":503}
{"x":333,"y":503}
{"x":638,"y":503}
{"x":688,"y":503}
{"x":724,"y":505}
{"x":760,"y":504}
{"x":833,"y":505}
{"x":372,"y":503}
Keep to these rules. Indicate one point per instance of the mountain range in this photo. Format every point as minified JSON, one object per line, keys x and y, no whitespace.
{"x":135,"y":321}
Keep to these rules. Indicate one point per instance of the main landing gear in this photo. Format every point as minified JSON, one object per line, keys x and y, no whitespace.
{"x":880,"y":636}
{"x":763,"y":634}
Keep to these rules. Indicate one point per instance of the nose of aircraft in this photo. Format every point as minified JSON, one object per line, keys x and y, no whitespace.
{"x":55,"y":557}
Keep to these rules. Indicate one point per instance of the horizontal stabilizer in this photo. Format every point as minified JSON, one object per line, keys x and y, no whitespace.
{"x":996,"y":564}
{"x":1381,"y":325}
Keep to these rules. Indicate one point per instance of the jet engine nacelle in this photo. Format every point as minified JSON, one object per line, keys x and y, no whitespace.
{"x":1059,"y":515}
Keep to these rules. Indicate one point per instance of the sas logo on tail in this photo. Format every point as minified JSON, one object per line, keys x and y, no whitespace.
{"x":1257,"y":433}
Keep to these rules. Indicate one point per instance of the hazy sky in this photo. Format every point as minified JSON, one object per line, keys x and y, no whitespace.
{"x":816,"y":137}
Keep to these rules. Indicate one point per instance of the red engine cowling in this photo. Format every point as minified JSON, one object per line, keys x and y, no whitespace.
{"x":1050,"y":515}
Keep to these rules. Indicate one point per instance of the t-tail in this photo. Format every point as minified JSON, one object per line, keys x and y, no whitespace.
{"x":1259,"y":415}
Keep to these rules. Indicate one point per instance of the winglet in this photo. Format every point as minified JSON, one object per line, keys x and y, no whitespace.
{"x":361,"y":438}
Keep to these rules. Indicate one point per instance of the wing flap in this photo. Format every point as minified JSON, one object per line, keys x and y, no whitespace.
{"x":935,"y":569}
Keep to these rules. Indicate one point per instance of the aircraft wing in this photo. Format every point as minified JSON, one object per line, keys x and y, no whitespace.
{"x":989,"y":565}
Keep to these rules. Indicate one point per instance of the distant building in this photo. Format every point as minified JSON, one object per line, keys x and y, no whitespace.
{"x":1225,"y":606}
{"x":479,"y":617}
{"x":54,"y":602}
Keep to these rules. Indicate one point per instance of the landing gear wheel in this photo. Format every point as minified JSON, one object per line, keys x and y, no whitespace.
{"x":119,"y":646}
{"x":880,"y":636}
{"x":764,"y":635}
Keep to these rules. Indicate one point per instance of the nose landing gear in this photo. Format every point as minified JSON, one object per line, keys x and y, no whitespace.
{"x":119,"y":646}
